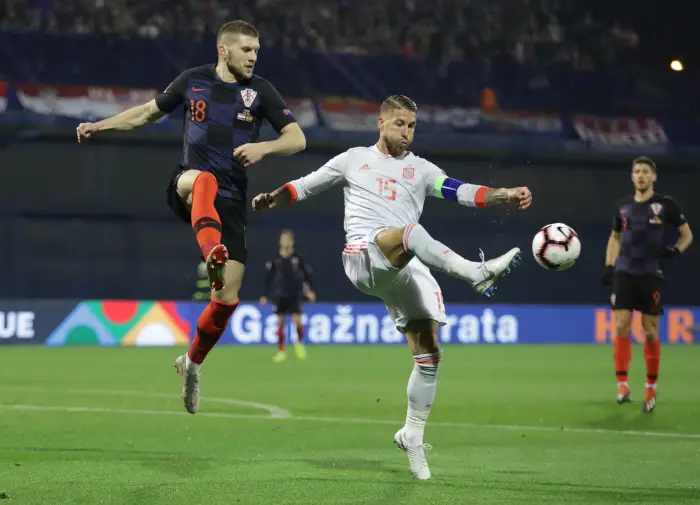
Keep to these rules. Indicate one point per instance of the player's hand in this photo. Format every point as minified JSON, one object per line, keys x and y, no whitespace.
{"x":522,"y":197}
{"x":263,"y":300}
{"x":247,"y":154}
{"x":668,"y":253}
{"x":608,"y":276}
{"x":264,"y":201}
{"x":85,"y":131}
{"x":311,"y":296}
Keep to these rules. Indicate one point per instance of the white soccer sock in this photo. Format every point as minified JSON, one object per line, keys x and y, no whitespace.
{"x":421,"y":389}
{"x":190,"y":365}
{"x":438,"y":256}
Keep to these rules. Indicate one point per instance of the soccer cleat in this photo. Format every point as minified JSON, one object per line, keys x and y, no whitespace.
{"x":190,"y":386}
{"x":623,"y":393}
{"x":216,"y":261}
{"x":280,"y":357}
{"x":300,"y":350}
{"x":494,"y":269}
{"x":649,"y":400}
{"x":416,"y":455}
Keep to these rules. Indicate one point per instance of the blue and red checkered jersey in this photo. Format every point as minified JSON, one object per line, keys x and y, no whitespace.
{"x":645,"y":228}
{"x":219,"y":117}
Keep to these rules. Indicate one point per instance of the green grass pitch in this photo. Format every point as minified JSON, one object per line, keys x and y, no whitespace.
{"x":521,"y":425}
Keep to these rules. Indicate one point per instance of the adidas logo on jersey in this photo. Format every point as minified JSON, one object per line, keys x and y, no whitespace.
{"x":364,"y":167}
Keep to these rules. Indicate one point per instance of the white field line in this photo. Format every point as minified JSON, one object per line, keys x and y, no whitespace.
{"x":275,"y":412}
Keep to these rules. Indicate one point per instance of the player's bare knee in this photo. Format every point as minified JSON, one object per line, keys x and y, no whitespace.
{"x":390,"y":243}
{"x":280,"y":320}
{"x":185,"y":183}
{"x":233,"y":277}
{"x":650,"y":328}
{"x":296,"y":319}
{"x":423,"y":336}
{"x":623,"y":322}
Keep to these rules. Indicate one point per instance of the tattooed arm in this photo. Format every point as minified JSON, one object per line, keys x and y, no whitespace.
{"x":516,"y":196}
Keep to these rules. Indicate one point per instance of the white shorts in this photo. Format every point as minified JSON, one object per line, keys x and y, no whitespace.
{"x":409,"y":293}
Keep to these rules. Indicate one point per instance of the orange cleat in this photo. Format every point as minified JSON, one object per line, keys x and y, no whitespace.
{"x":623,"y":393}
{"x":216,"y":261}
{"x":649,"y":400}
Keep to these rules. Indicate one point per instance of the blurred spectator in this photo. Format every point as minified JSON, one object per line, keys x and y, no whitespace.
{"x":532,"y":32}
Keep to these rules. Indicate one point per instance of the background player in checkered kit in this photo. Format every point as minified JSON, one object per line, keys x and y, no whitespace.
{"x":225,"y":105}
{"x":288,"y":282}
{"x":634,"y":260}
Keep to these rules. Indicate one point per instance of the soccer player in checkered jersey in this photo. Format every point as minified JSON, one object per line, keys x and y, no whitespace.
{"x":634,"y":267}
{"x":389,"y":255}
{"x":225,"y":105}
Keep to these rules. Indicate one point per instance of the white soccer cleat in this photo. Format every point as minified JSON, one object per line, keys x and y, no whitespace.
{"x":494,"y":269}
{"x":190,"y":386}
{"x":416,"y":455}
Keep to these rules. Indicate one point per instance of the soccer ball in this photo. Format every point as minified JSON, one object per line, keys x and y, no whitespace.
{"x":556,"y":247}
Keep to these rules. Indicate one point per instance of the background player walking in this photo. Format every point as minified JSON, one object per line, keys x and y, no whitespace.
{"x":634,"y":259}
{"x":287,"y":283}
{"x":225,"y":105}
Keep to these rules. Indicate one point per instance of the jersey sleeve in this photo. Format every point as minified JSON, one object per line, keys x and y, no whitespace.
{"x":174,"y":95}
{"x":674,"y":214}
{"x":268,"y":278}
{"x":330,"y":174}
{"x":617,"y":221}
{"x":439,"y":185}
{"x":307,"y":273}
{"x":274,"y":108}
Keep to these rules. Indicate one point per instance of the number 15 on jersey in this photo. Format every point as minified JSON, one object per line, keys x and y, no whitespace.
{"x":387,"y":188}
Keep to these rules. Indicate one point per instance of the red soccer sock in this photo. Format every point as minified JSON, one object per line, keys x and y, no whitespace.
{"x":205,"y":220}
{"x":652,"y":355}
{"x":622,"y":354}
{"x":300,"y":333}
{"x":210,"y":326}
{"x":280,"y":339}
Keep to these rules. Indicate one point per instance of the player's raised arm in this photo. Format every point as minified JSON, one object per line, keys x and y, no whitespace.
{"x":474,"y":195}
{"x":330,"y":174}
{"x":164,"y":103}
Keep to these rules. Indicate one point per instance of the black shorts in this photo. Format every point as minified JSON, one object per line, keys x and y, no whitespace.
{"x":232,"y":214}
{"x":638,"y":292}
{"x":287,"y":306}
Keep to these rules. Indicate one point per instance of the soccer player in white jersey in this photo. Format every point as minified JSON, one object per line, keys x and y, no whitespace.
{"x":388,"y":254}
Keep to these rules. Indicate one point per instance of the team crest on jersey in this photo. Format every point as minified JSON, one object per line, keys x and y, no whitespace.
{"x":656,"y":208}
{"x":248,"y":96}
{"x":409,"y":173}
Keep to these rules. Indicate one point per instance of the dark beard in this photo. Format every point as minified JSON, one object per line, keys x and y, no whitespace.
{"x":235,"y":72}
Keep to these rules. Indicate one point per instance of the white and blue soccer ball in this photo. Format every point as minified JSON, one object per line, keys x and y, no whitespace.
{"x":556,"y":247}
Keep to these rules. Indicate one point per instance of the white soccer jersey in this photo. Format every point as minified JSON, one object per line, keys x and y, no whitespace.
{"x":380,"y":191}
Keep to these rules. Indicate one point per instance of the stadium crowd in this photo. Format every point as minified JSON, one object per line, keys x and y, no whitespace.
{"x":540,"y":32}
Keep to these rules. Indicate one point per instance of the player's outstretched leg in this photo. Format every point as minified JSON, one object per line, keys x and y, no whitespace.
{"x":622,"y":353}
{"x":422,"y":336}
{"x":210,"y":327}
{"x":652,"y":357}
{"x":416,"y":241}
{"x":207,"y":227}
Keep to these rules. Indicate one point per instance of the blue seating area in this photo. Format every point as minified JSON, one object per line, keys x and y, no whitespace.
{"x":110,"y":60}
